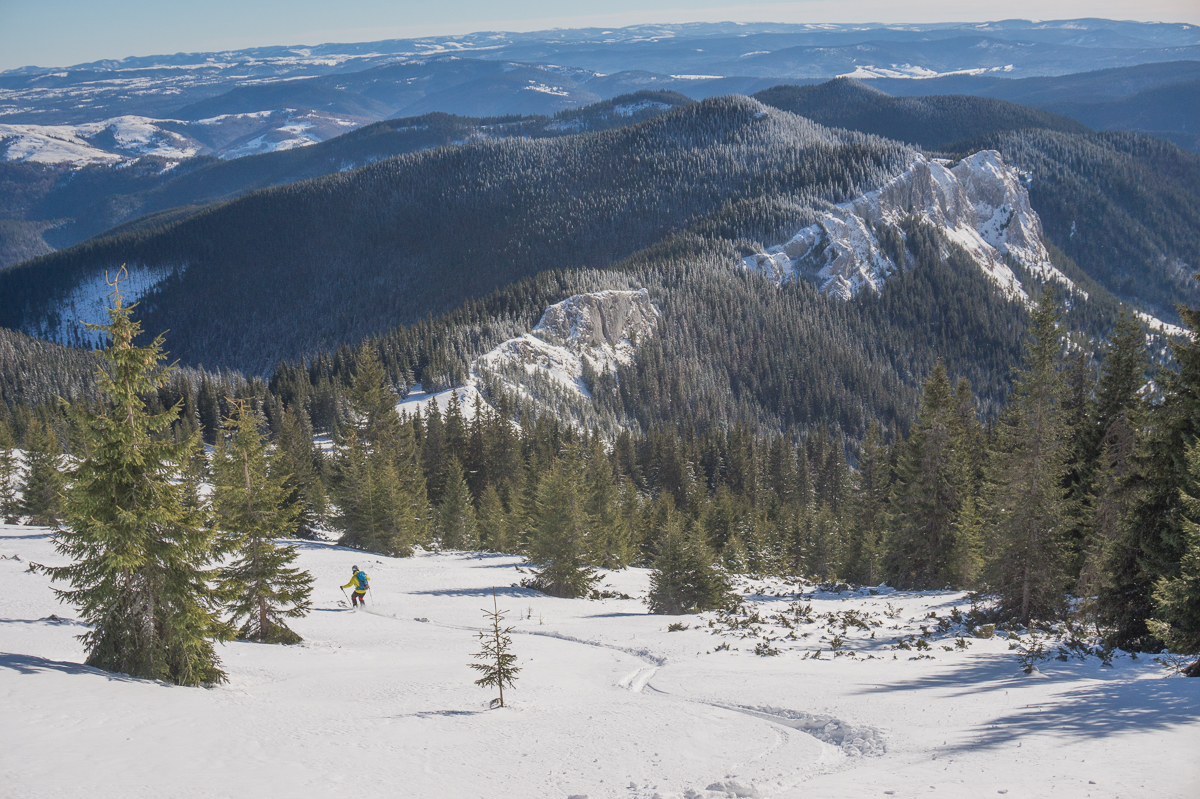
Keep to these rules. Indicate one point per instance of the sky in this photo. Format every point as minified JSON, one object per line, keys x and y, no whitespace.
{"x":65,"y":32}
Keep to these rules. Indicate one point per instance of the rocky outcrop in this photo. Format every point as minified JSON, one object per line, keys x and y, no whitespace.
{"x":577,"y":339}
{"x":979,"y":203}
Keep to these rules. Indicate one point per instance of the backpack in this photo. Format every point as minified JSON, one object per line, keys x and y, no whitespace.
{"x":361,"y":579}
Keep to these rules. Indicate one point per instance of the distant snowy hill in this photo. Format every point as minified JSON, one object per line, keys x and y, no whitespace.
{"x":122,"y":140}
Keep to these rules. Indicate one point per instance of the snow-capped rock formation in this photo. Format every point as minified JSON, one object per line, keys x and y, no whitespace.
{"x":979,"y":203}
{"x":588,"y":332}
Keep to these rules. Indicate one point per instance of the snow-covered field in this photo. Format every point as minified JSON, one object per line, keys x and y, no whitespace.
{"x":609,"y":702}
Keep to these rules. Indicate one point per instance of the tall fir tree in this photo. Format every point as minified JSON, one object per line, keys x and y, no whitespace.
{"x":301,"y":460}
{"x":967,"y":439}
{"x":10,"y":476}
{"x":42,"y":490}
{"x":377,"y":480}
{"x":870,"y":514}
{"x":492,"y":522}
{"x":139,"y":558}
{"x":253,"y":506}
{"x":1177,"y":598}
{"x":456,"y":524}
{"x":685,"y":577}
{"x":560,"y":542}
{"x":610,"y":545}
{"x":1026,"y":498}
{"x":923,"y":550}
{"x":1147,"y":542}
{"x":1109,"y":461}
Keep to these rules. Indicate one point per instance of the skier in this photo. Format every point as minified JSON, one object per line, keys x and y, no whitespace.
{"x":361,"y":583}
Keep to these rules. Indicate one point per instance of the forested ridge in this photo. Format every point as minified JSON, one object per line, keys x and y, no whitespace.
{"x":929,"y":122}
{"x":421,"y":233}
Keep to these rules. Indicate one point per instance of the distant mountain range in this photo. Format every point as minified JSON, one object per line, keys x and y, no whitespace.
{"x":285,"y":201}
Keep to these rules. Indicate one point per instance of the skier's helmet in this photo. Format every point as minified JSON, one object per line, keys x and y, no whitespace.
{"x":354,"y":568}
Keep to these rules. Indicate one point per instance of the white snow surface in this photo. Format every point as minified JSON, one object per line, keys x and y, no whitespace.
{"x":608,"y":702}
{"x":980,"y":203}
{"x":418,"y":401}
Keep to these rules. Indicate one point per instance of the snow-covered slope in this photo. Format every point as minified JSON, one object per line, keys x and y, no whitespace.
{"x":979,"y":203}
{"x":609,"y":704}
{"x":111,"y":141}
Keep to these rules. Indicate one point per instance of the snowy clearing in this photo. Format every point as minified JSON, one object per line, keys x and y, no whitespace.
{"x":609,"y":702}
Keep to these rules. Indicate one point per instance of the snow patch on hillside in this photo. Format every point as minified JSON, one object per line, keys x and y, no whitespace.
{"x":981,"y":204}
{"x":418,"y":401}
{"x":1159,"y":326}
{"x":88,"y":302}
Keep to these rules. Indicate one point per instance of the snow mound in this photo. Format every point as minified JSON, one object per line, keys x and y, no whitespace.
{"x":981,"y":204}
{"x":854,"y":741}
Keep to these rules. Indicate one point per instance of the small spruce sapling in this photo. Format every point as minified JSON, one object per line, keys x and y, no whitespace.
{"x":498,"y":667}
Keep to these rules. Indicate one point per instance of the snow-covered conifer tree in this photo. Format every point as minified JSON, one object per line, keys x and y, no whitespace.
{"x":251,"y":500}
{"x":10,"y":505}
{"x":560,"y":539}
{"x":139,"y":556}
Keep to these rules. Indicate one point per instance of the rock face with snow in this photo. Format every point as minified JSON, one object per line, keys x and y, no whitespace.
{"x":980,"y":203}
{"x":588,"y":332}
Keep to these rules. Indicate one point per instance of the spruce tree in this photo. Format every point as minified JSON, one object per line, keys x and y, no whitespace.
{"x":560,"y":539}
{"x":1109,"y":463}
{"x":196,"y":475}
{"x":377,"y":480}
{"x":373,"y":514}
{"x":870,"y":515}
{"x":967,"y":440}
{"x":251,"y":502}
{"x":499,"y":663}
{"x":10,"y":504}
{"x":139,"y":557}
{"x":1137,"y":536}
{"x":922,"y":550}
{"x":610,"y":545}
{"x":42,"y":491}
{"x":495,"y":529}
{"x":685,"y":578}
{"x":1027,"y":501}
{"x":455,"y":516}
{"x":1177,"y":598}
{"x":300,"y":459}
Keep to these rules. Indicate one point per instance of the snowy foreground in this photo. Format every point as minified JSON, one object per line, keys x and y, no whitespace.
{"x":609,"y":702}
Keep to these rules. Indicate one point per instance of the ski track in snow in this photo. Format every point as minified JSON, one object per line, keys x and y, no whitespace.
{"x":608,"y":703}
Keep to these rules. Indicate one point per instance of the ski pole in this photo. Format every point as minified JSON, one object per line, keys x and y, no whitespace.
{"x":345,"y":594}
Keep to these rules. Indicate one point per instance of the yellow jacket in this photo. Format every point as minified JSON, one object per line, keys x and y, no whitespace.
{"x":354,"y":582}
